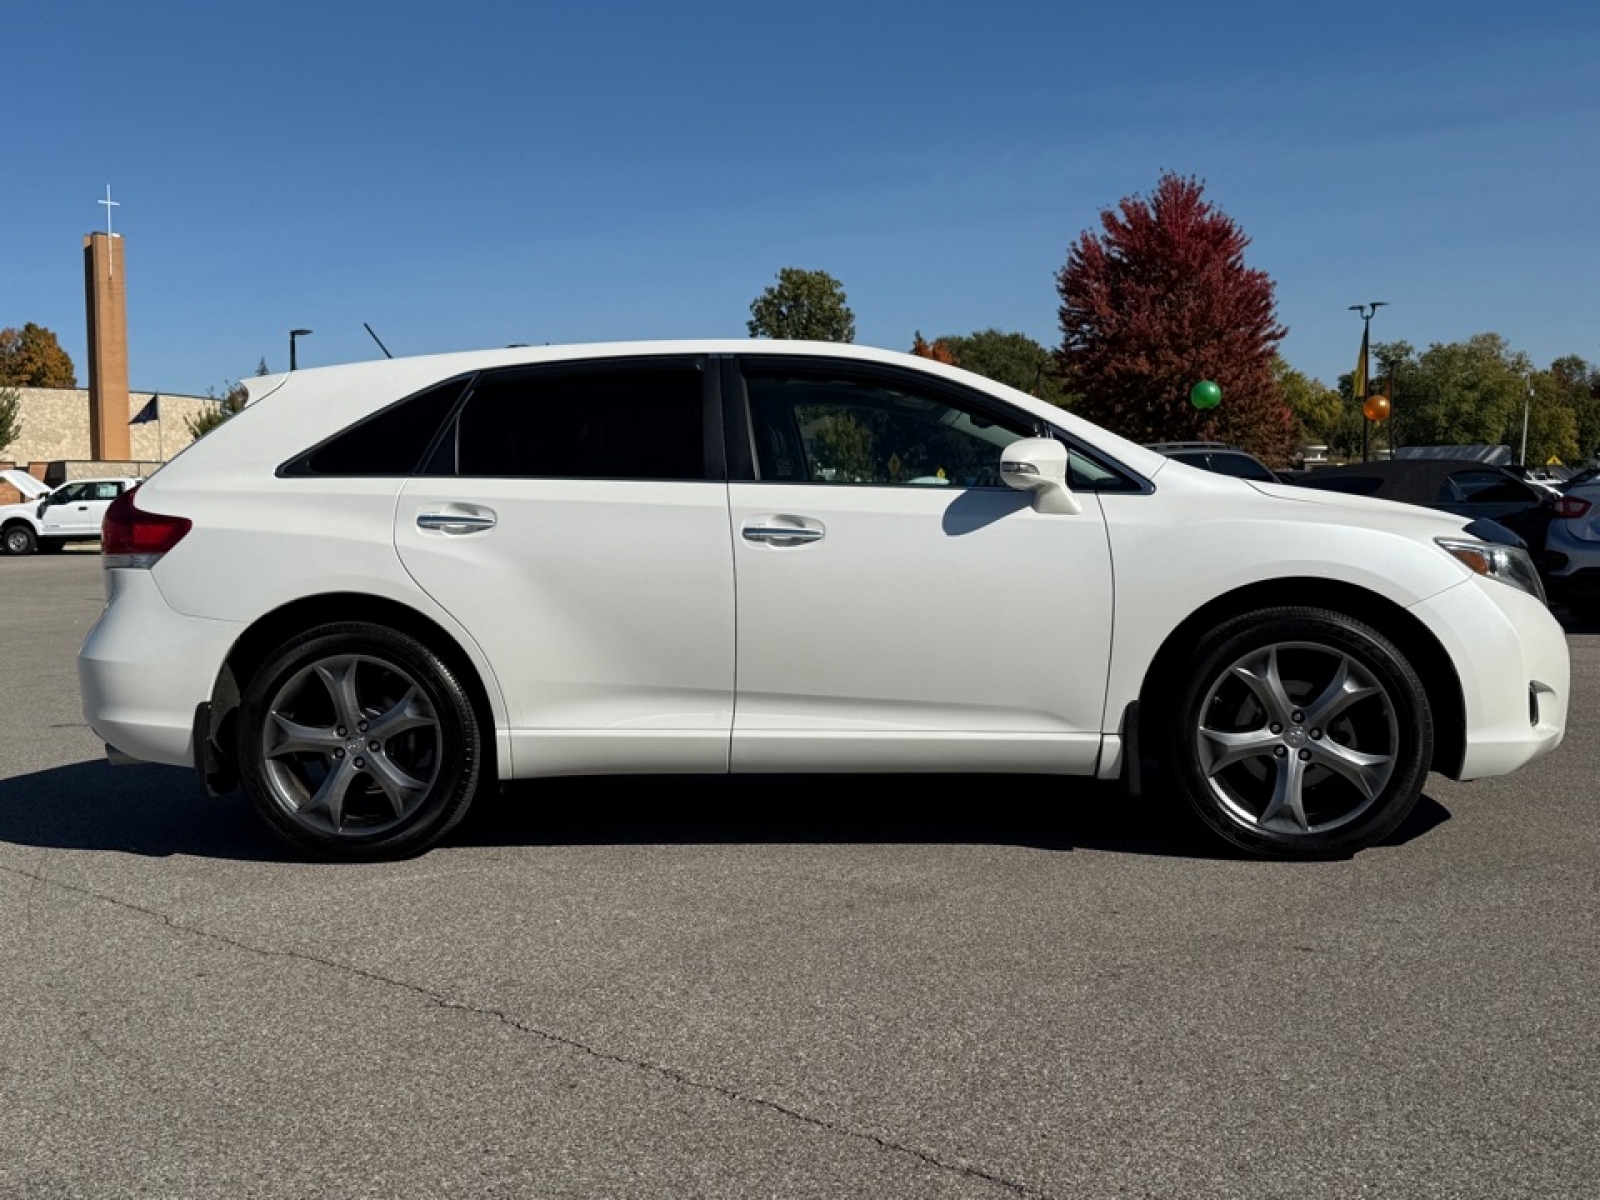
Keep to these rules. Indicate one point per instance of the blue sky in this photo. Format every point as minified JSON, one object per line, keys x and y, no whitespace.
{"x":479,"y":174}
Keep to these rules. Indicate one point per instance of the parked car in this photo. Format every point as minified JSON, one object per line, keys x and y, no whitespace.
{"x":382,"y":587}
{"x":72,"y":512}
{"x":1469,"y":489}
{"x":1572,"y":549}
{"x":1219,"y":457}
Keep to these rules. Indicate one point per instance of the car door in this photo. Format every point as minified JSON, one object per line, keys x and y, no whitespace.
{"x":899,"y":607}
{"x":77,"y":509}
{"x":574,"y":522}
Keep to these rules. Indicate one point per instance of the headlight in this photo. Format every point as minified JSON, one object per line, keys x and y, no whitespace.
{"x":1508,"y":564}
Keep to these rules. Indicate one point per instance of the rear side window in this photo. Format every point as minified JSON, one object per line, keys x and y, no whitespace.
{"x":602,"y":423}
{"x":390,"y":442}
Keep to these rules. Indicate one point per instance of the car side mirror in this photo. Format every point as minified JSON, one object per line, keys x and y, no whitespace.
{"x":1039,"y":465}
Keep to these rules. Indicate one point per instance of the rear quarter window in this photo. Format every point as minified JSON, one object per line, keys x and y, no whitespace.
{"x":392,"y":441}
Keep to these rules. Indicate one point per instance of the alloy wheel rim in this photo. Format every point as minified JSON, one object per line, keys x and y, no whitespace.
{"x":351,"y":745}
{"x":1297,"y":739}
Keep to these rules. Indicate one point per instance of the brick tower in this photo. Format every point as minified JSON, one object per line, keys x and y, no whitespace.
{"x":106,"y":291}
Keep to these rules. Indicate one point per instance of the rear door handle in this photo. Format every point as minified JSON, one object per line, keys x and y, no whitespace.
{"x":781,"y":535}
{"x":456,"y":522}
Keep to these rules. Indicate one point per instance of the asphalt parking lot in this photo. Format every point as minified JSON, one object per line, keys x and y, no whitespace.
{"x":790,"y":988}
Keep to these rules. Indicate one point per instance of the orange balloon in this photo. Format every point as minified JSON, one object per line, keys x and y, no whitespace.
{"x":1376,"y":408}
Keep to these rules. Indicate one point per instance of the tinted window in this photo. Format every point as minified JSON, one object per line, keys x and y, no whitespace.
{"x":831,"y":428}
{"x":601,"y":423}
{"x":390,"y":442}
{"x":1487,"y":487}
{"x":1241,"y":466}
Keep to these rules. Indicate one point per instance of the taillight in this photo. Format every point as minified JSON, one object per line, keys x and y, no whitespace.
{"x":1569,"y":507}
{"x":131,"y":537}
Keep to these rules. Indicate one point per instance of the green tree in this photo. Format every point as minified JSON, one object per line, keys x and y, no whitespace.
{"x":808,"y":305}
{"x":1577,"y":385}
{"x":1322,"y":417}
{"x":222,"y":407}
{"x":32,"y":357}
{"x":1013,"y":359}
{"x":1453,"y":394}
{"x":1160,"y":299}
{"x":10,"y":417}
{"x":1552,"y":424}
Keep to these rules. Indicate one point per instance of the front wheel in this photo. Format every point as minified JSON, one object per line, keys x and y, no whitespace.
{"x":18,"y":539}
{"x":1299,"y":733}
{"x":358,"y":742}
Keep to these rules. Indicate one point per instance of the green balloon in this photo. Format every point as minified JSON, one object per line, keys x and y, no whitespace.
{"x":1205,"y":394}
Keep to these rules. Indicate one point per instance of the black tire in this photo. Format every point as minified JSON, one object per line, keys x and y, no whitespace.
{"x":1298,"y":733}
{"x":358,"y":742}
{"x":18,"y":539}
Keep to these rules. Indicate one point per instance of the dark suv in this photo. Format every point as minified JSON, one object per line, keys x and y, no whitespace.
{"x":1219,"y":457}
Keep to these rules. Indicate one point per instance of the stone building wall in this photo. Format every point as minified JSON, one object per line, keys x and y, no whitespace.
{"x":55,"y":425}
{"x":54,"y":443}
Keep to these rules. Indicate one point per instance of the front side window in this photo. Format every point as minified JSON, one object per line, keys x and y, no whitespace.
{"x":828,"y":428}
{"x":604,"y":422}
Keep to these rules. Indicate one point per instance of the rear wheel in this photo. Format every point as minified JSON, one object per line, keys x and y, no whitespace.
{"x":1299,"y":733}
{"x":358,"y":742}
{"x":18,"y":539}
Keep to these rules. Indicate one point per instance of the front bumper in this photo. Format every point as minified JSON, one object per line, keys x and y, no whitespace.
{"x":1511,"y":657}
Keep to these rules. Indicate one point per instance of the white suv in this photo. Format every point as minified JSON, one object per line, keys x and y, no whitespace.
{"x":382,"y":587}
{"x":71,"y":513}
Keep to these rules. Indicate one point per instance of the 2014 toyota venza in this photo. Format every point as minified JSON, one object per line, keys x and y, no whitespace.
{"x":383,"y":587}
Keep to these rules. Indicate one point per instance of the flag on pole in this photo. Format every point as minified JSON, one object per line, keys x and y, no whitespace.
{"x":150,"y":412}
{"x":1358,"y":382}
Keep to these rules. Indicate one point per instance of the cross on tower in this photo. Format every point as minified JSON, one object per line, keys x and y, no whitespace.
{"x":110,"y":204}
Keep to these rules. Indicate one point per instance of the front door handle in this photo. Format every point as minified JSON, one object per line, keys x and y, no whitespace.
{"x":456,"y":522}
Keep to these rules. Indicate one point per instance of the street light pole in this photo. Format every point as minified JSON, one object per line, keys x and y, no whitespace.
{"x":1527,"y":400}
{"x":1366,"y":311}
{"x":293,"y":335}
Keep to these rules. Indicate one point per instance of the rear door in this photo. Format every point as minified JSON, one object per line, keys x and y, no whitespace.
{"x":575,"y":520}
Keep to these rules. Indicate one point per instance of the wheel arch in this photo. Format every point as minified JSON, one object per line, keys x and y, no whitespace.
{"x":1410,"y":636}
{"x":265,"y":635}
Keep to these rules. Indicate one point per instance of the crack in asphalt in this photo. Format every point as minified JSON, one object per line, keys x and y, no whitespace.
{"x":665,"y":1072}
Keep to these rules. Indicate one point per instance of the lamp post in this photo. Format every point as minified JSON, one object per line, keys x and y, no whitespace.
{"x":1527,"y":401}
{"x":1359,"y":385}
{"x":293,"y":335}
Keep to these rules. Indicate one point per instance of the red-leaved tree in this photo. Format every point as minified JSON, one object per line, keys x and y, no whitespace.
{"x":1160,"y":300}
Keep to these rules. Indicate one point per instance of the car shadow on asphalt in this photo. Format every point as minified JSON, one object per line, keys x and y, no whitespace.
{"x":160,"y":811}
{"x":147,"y":810}
{"x":1039,"y":812}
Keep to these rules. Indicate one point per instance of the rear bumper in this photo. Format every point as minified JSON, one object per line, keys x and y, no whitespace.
{"x":144,"y":669}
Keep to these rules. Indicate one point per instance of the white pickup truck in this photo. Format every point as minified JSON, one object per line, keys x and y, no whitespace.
{"x":48,"y":520}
